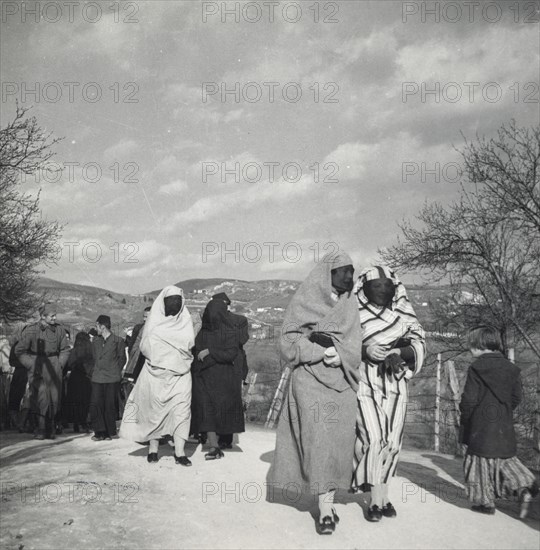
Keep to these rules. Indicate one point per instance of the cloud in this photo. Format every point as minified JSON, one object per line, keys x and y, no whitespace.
{"x":177,"y":187}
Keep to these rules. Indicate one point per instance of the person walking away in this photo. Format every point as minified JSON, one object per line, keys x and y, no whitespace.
{"x":492,"y":390}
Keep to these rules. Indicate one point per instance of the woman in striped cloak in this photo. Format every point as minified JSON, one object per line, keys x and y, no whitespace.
{"x":393,"y":350}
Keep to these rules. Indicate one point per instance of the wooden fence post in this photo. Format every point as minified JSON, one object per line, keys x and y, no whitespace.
{"x":438,"y":403}
{"x":453,"y":383}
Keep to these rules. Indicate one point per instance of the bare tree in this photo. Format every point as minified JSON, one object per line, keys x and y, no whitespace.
{"x":487,"y":242}
{"x":507,"y":170}
{"x":26,"y":239}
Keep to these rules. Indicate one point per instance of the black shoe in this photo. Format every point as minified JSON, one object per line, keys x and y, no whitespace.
{"x":152,"y":457}
{"x":326,"y":526}
{"x":483,"y":509}
{"x":202,"y":439}
{"x":388,"y":511}
{"x":183,"y":460}
{"x":225,"y":445}
{"x":97,"y":438}
{"x":213,"y":454}
{"x":374,"y":513}
{"x":107,"y":438}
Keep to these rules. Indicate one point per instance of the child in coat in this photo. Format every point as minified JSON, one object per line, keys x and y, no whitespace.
{"x":492,"y":391}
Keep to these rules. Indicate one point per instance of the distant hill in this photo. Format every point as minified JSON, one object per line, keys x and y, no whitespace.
{"x":263,"y":300}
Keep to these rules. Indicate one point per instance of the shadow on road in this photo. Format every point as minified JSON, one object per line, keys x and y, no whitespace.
{"x":432,"y":487}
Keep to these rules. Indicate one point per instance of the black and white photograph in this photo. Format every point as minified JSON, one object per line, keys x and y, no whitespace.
{"x":269,"y":274}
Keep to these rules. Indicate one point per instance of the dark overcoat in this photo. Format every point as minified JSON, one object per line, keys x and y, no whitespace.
{"x":492,"y":391}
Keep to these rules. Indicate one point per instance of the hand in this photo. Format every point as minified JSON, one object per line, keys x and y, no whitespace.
{"x":202,"y":354}
{"x":376,"y":352}
{"x":331,"y":357}
{"x":394,"y":362}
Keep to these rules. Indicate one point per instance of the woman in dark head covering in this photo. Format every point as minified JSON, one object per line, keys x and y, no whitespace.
{"x":321,"y":345}
{"x":217,"y":385}
{"x":79,"y":386}
{"x":393,"y":350}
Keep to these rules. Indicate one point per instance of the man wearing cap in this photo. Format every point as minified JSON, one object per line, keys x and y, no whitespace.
{"x":240,"y":324}
{"x":44,"y":350}
{"x":109,"y":359}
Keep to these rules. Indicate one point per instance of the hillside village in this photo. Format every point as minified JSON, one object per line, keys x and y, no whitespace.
{"x":262,"y":302}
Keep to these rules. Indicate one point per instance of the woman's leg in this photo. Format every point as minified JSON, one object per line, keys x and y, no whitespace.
{"x":212,"y":439}
{"x":154,"y":446}
{"x":179,"y":443}
{"x":377,"y":495}
{"x":326,"y":504}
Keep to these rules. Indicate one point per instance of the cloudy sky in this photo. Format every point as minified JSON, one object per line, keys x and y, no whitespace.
{"x":194,"y":135}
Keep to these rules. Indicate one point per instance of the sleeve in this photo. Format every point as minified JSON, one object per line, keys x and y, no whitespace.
{"x":470,"y":397}
{"x":21,"y":349}
{"x":517,"y":391}
{"x":121,"y":353}
{"x":223,"y":355}
{"x":308,"y":352}
{"x":63,"y":349}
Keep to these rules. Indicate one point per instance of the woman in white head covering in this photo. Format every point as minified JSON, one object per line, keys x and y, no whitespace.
{"x":160,"y":403}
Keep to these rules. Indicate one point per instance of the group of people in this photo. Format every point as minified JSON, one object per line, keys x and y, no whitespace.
{"x":54,"y":384}
{"x":191,"y":381}
{"x":350,"y":350}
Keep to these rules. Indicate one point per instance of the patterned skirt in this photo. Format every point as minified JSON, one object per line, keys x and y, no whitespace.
{"x":489,"y":478}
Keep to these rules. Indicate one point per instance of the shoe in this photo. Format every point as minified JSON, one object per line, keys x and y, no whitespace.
{"x":40,"y":437}
{"x":107,"y":438}
{"x":152,"y":457}
{"x":225,"y":445}
{"x":202,"y":439}
{"x":483,"y":509}
{"x":213,"y":454}
{"x":97,"y":438}
{"x":183,"y":460}
{"x":388,"y":511}
{"x":374,"y":513}
{"x":327,"y":524}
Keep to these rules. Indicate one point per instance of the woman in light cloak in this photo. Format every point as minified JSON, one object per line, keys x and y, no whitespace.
{"x":321,"y":344}
{"x":160,"y":403}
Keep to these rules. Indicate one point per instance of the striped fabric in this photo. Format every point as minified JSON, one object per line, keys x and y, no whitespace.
{"x":382,"y":400}
{"x":489,"y":478}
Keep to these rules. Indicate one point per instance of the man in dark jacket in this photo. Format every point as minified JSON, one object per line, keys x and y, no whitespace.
{"x":109,"y":358}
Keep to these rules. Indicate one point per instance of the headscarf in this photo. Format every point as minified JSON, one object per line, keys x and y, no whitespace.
{"x":388,"y":325}
{"x":166,"y":342}
{"x":314,"y":307}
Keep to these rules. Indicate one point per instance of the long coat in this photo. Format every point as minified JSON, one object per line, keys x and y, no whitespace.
{"x":492,"y":391}
{"x":217,"y":384}
{"x":44,"y":350}
{"x":79,"y":385}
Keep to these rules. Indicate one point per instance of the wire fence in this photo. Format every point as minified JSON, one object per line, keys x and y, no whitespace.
{"x":432,"y":419}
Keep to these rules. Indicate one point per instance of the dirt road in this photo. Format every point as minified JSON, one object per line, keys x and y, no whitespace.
{"x":76,"y":493}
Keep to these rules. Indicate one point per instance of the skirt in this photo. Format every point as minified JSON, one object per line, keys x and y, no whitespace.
{"x":315,"y":437}
{"x":489,"y":478}
{"x":159,"y":405}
